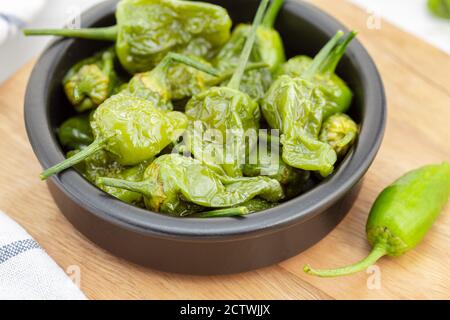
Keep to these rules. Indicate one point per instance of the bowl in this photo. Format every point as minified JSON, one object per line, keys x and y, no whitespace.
{"x":220,"y":245}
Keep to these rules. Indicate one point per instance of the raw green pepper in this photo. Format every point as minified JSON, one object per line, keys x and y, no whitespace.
{"x":91,"y":81}
{"x":340,"y":132}
{"x":178,"y":185}
{"x":76,"y":132}
{"x":440,"y":8}
{"x":156,"y":85}
{"x":295,"y":106}
{"x":130,"y":128}
{"x":147,"y":30}
{"x":229,"y":111}
{"x":268,"y":49}
{"x":322,"y":73}
{"x":401,"y":216}
{"x":101,"y":164}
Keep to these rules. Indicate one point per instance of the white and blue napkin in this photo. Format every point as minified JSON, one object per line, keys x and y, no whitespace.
{"x":26,"y":271}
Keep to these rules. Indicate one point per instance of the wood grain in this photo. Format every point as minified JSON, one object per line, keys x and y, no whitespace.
{"x":418,"y":90}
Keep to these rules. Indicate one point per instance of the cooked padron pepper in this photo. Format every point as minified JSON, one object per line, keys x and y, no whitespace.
{"x":132,"y":129}
{"x":91,"y":81}
{"x":157,"y":86}
{"x":179,"y":185}
{"x":271,"y":165}
{"x":76,"y":132}
{"x":229,"y":111}
{"x":295,"y":106}
{"x":268,"y":49}
{"x":147,"y":30}
{"x":401,"y":216}
{"x":101,"y":164}
{"x":322,"y":73}
{"x":340,"y":132}
{"x":440,"y":8}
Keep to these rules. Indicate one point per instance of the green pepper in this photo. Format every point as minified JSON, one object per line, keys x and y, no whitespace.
{"x":102,"y":164}
{"x":130,"y":128}
{"x":157,"y":86}
{"x":322,"y":72}
{"x":257,"y":205}
{"x":401,"y":216}
{"x":75,"y":132}
{"x":147,"y":30}
{"x":91,"y":81}
{"x":268,"y":49}
{"x":229,"y":111}
{"x":440,"y":8}
{"x":186,"y":81}
{"x":295,"y":106}
{"x":271,"y":165}
{"x":178,"y":185}
{"x":340,"y":132}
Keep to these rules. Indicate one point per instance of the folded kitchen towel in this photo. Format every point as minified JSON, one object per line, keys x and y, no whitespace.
{"x":26,"y":271}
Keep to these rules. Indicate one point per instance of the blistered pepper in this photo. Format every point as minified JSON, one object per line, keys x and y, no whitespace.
{"x":91,"y":81}
{"x":147,"y":30}
{"x":101,"y":164}
{"x":229,"y":111}
{"x":440,"y":8}
{"x":340,"y":132}
{"x":268,"y":49}
{"x":75,"y":132}
{"x":269,"y":163}
{"x":401,"y":216}
{"x":179,"y":185}
{"x":151,"y":131}
{"x":157,"y":85}
{"x":295,"y":106}
{"x":322,"y":73}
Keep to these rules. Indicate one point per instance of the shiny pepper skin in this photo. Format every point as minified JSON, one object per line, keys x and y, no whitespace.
{"x":294,"y":106}
{"x":340,"y":132}
{"x":76,"y":132}
{"x":147,"y":30}
{"x":178,"y":185}
{"x":337,"y":94}
{"x":401,"y":216}
{"x":91,"y":81}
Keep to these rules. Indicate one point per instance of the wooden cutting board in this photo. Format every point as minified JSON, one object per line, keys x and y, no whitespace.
{"x":417,"y":82}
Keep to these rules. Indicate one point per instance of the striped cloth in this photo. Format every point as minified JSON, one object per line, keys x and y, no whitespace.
{"x":26,"y":271}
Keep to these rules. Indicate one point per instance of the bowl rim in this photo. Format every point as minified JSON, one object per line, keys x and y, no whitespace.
{"x":297,"y":210}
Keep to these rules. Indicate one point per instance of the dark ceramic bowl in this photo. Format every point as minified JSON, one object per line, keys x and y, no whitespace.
{"x":202,"y":246}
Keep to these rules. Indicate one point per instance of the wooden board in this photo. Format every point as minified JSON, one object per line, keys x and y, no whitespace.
{"x":418,"y":132}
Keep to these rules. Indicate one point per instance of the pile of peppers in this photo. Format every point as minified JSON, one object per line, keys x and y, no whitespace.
{"x":144,"y":110}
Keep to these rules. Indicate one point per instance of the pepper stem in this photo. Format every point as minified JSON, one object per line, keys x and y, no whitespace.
{"x":377,"y":252}
{"x":222,"y":213}
{"x":237,"y":76}
{"x":329,"y":66}
{"x":105,"y":34}
{"x":140,"y":187}
{"x":73,"y":160}
{"x":272,"y":13}
{"x":322,"y":57}
{"x":228,"y":74}
{"x":175,"y":57}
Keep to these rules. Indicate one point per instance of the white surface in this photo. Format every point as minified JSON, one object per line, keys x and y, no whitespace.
{"x":56,"y":13}
{"x":26,"y":271}
{"x":412,"y":16}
